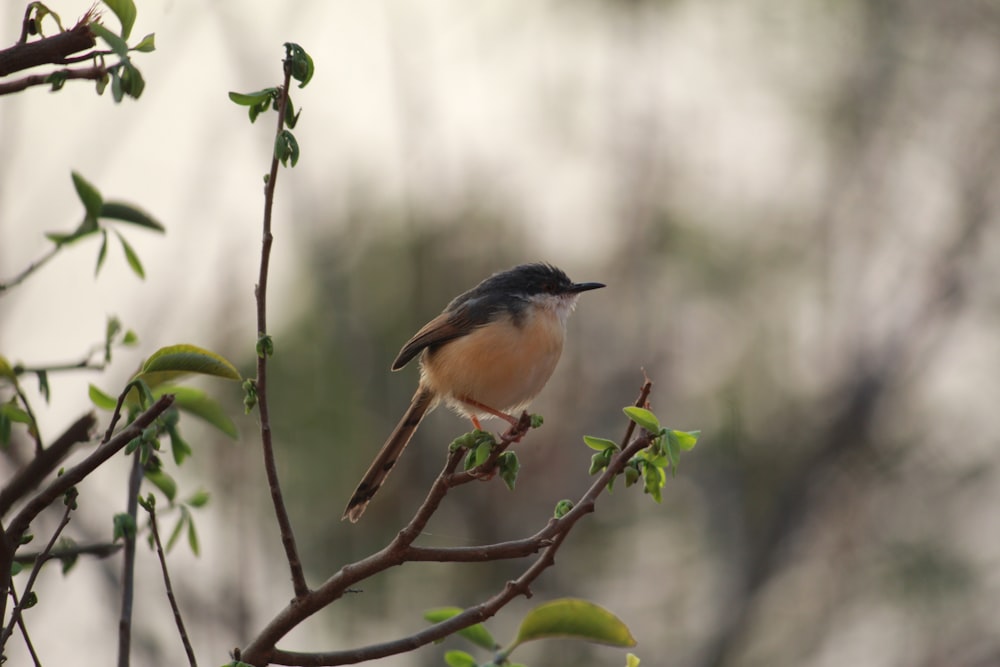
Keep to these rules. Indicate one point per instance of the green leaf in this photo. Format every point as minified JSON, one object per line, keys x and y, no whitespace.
{"x":509,"y":467}
{"x":179,"y":447}
{"x":132,"y":83}
{"x":178,"y":527}
{"x":643,"y":418}
{"x":199,"y":499}
{"x":116,"y":86}
{"x":654,"y":478}
{"x":125,"y":11}
{"x":252,"y":99}
{"x":631,"y":660}
{"x":198,"y":403}
{"x":100,"y":399}
{"x":15,"y":414}
{"x":477,"y":633}
{"x":286,"y":148}
{"x":600,"y":444}
{"x":686,"y":440}
{"x":301,"y":63}
{"x":117,"y":210}
{"x":189,"y":359}
{"x":147,"y":44}
{"x":563,"y":508}
{"x":265,"y":346}
{"x":164,"y":482}
{"x":131,"y":257}
{"x":130,"y":338}
{"x":114,"y":42}
{"x":43,"y":384}
{"x":89,"y":195}
{"x":124,"y":526}
{"x":102,"y":253}
{"x":6,"y":370}
{"x":193,"y":538}
{"x":459,"y":659}
{"x":573,"y":618}
{"x":57,"y":79}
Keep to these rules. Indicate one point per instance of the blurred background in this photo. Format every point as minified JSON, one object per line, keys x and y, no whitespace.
{"x":794,"y":206}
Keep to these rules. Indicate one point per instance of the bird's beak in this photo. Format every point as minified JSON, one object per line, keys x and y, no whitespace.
{"x":585,"y":287}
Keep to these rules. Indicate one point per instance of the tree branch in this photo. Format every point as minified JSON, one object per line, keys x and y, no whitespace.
{"x":188,"y":649}
{"x":30,"y":476}
{"x":262,"y":651}
{"x":94,"y":73}
{"x":48,"y":50}
{"x":128,"y":562}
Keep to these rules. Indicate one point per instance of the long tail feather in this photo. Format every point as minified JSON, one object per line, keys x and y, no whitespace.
{"x":389,"y":454}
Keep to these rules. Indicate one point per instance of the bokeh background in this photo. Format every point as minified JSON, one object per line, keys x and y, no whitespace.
{"x":794,"y":205}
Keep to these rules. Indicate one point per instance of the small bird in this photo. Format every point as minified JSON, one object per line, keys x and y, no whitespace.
{"x":488,"y":354}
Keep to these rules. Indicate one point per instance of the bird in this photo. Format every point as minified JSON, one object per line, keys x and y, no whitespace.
{"x":488,"y":354}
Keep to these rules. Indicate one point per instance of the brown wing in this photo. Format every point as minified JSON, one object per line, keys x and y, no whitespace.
{"x":449,"y":325}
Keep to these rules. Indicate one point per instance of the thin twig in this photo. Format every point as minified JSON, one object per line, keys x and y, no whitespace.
{"x":270,"y":468}
{"x":24,"y":632}
{"x":98,"y":550}
{"x":170,"y":590}
{"x":15,"y":614}
{"x":41,"y":261}
{"x":128,"y":563}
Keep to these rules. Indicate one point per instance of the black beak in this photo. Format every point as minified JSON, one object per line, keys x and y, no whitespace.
{"x":576,"y":288}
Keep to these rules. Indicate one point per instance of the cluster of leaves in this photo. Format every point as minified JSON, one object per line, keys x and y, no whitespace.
{"x":301,"y":68}
{"x":156,"y":378}
{"x":650,"y":464}
{"x":96,"y":210}
{"x":124,"y":77}
{"x":567,"y":618}
{"x":480,"y":444}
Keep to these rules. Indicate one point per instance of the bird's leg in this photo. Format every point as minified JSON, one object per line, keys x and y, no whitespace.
{"x":475,"y":423}
{"x":513,"y":421}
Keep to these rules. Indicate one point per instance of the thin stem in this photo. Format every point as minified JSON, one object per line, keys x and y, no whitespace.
{"x":270,"y":468}
{"x":35,"y":434}
{"x":24,"y":632}
{"x":41,"y":261}
{"x":15,"y":615}
{"x":170,"y":590}
{"x":128,"y":565}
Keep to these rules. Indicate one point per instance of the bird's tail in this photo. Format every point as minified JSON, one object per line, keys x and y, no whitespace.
{"x":386,"y":458}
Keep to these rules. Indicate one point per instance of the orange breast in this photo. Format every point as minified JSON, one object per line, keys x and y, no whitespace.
{"x":501,"y":365}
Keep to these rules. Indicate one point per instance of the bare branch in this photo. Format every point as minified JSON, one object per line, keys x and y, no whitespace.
{"x":128,"y":562}
{"x":48,"y":50}
{"x":270,"y":468}
{"x":29,"y":477}
{"x":188,"y":649}
{"x":94,"y":73}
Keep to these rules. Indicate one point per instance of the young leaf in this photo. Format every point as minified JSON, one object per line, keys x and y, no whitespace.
{"x":89,"y":195}
{"x":178,"y":527}
{"x":124,"y":526}
{"x":193,"y":538}
{"x":131,"y":257}
{"x":189,"y":359}
{"x":631,"y":660}
{"x":643,"y":418}
{"x":100,"y":399}
{"x":563,"y":508}
{"x":301,"y":63}
{"x":199,"y":499}
{"x":573,"y":618}
{"x":43,"y":384}
{"x":198,"y":403}
{"x":600,"y":444}
{"x":127,"y":213}
{"x":459,"y":659}
{"x":509,"y":467}
{"x":125,"y":11}
{"x":147,"y":44}
{"x":286,"y":148}
{"x":686,"y":440}
{"x":164,"y":482}
{"x":102,"y":253}
{"x":253,"y":99}
{"x":477,"y":634}
{"x":116,"y":43}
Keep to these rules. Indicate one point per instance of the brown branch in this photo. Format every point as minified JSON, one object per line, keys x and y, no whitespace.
{"x":128,"y":562}
{"x":270,"y":468}
{"x":262,"y":651}
{"x":188,"y":649}
{"x":24,"y":632}
{"x":98,"y":550}
{"x":94,"y":73}
{"x":48,"y":50}
{"x":31,"y":475}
